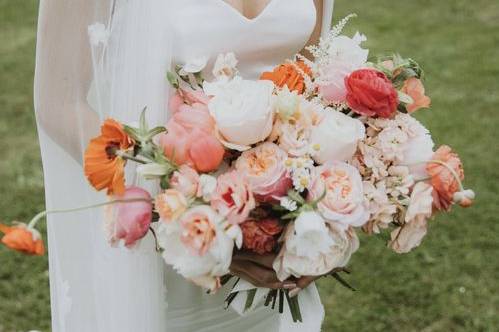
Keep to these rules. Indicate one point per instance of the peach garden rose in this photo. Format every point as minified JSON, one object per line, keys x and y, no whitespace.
{"x":344,"y":195}
{"x":264,"y":169}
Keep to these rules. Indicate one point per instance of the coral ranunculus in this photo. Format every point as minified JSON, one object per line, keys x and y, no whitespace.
{"x":415,"y":89}
{"x":103,"y":168}
{"x":23,"y":239}
{"x":288,"y":74}
{"x":261,"y":236}
{"x":370,"y":93}
{"x":444,"y":181}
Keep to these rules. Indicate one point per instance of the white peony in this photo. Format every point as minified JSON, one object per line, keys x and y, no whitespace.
{"x":419,"y":146}
{"x":197,"y":247}
{"x":289,"y":263}
{"x":337,"y":137}
{"x":345,"y":49}
{"x":242,"y":110}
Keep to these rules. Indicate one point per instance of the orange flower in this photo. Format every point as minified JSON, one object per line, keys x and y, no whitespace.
{"x":446,"y":174}
{"x":103,"y":168}
{"x":22,"y":239}
{"x":415,"y":89}
{"x":288,"y":74}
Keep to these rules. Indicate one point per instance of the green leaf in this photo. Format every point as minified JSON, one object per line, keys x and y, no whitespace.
{"x":295,"y":196}
{"x":281,"y":301}
{"x":250,"y":299}
{"x":294,"y":308}
{"x":173,"y":79}
{"x":405,"y":98}
{"x":343,"y":281}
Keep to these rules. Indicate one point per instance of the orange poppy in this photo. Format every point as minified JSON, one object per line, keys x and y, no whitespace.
{"x":288,"y":74}
{"x":22,"y":239}
{"x":103,"y":168}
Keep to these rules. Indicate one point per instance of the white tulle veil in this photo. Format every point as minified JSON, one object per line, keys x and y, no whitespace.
{"x":99,"y":59}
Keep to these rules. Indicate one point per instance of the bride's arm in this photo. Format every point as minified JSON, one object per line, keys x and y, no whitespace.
{"x":63,"y":73}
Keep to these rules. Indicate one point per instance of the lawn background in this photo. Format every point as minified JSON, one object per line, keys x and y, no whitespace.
{"x":449,"y":284}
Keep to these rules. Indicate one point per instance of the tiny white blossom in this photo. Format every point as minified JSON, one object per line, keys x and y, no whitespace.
{"x":207,"y":185}
{"x":289,"y":204}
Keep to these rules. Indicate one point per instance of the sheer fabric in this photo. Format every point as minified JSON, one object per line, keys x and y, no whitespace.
{"x":79,"y":81}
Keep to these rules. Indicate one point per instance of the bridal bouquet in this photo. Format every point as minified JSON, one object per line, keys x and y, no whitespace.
{"x":291,"y":165}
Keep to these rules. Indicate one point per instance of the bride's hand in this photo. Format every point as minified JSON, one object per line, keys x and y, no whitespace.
{"x":257,"y":269}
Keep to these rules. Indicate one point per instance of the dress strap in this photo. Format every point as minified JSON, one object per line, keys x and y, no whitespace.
{"x":327,"y":16}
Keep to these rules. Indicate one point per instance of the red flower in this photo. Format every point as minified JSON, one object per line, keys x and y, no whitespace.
{"x":370,"y":92}
{"x":261,"y":236}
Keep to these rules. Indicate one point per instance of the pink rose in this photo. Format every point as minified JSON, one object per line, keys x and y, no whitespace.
{"x":265,"y":171}
{"x":190,"y":139}
{"x":233,"y":198}
{"x":332,"y":88}
{"x":185,"y":180}
{"x":129,"y":221}
{"x":344,"y":194}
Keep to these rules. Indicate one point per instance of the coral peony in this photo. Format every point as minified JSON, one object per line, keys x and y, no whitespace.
{"x":370,"y":93}
{"x":190,"y":139}
{"x":446,"y":171}
{"x":261,"y":236}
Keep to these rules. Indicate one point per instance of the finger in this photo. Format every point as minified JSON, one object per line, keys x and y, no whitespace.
{"x":304,"y":282}
{"x":263,"y":260}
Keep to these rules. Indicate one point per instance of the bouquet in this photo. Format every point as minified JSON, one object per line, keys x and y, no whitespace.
{"x":291,"y":165}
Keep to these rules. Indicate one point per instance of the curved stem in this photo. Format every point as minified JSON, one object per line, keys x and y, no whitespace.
{"x":451,"y":170}
{"x":42,"y":214}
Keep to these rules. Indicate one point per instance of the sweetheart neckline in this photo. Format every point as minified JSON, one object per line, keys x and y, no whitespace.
{"x":262,"y":13}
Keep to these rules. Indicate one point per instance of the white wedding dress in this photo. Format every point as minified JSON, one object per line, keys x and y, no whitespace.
{"x":96,"y":288}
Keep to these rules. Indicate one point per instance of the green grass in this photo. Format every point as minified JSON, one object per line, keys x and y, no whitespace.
{"x":448,"y":284}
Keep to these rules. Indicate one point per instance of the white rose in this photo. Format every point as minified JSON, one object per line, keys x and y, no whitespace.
{"x":337,"y":137}
{"x":242,"y":111}
{"x":289,"y":263}
{"x":311,"y":237}
{"x":225,"y":66}
{"x":197,"y":247}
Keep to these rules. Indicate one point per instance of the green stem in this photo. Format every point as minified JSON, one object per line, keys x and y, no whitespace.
{"x":126,"y":156}
{"x":42,"y":214}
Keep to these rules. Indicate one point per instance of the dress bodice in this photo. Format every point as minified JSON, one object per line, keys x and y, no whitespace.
{"x":280,"y":31}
